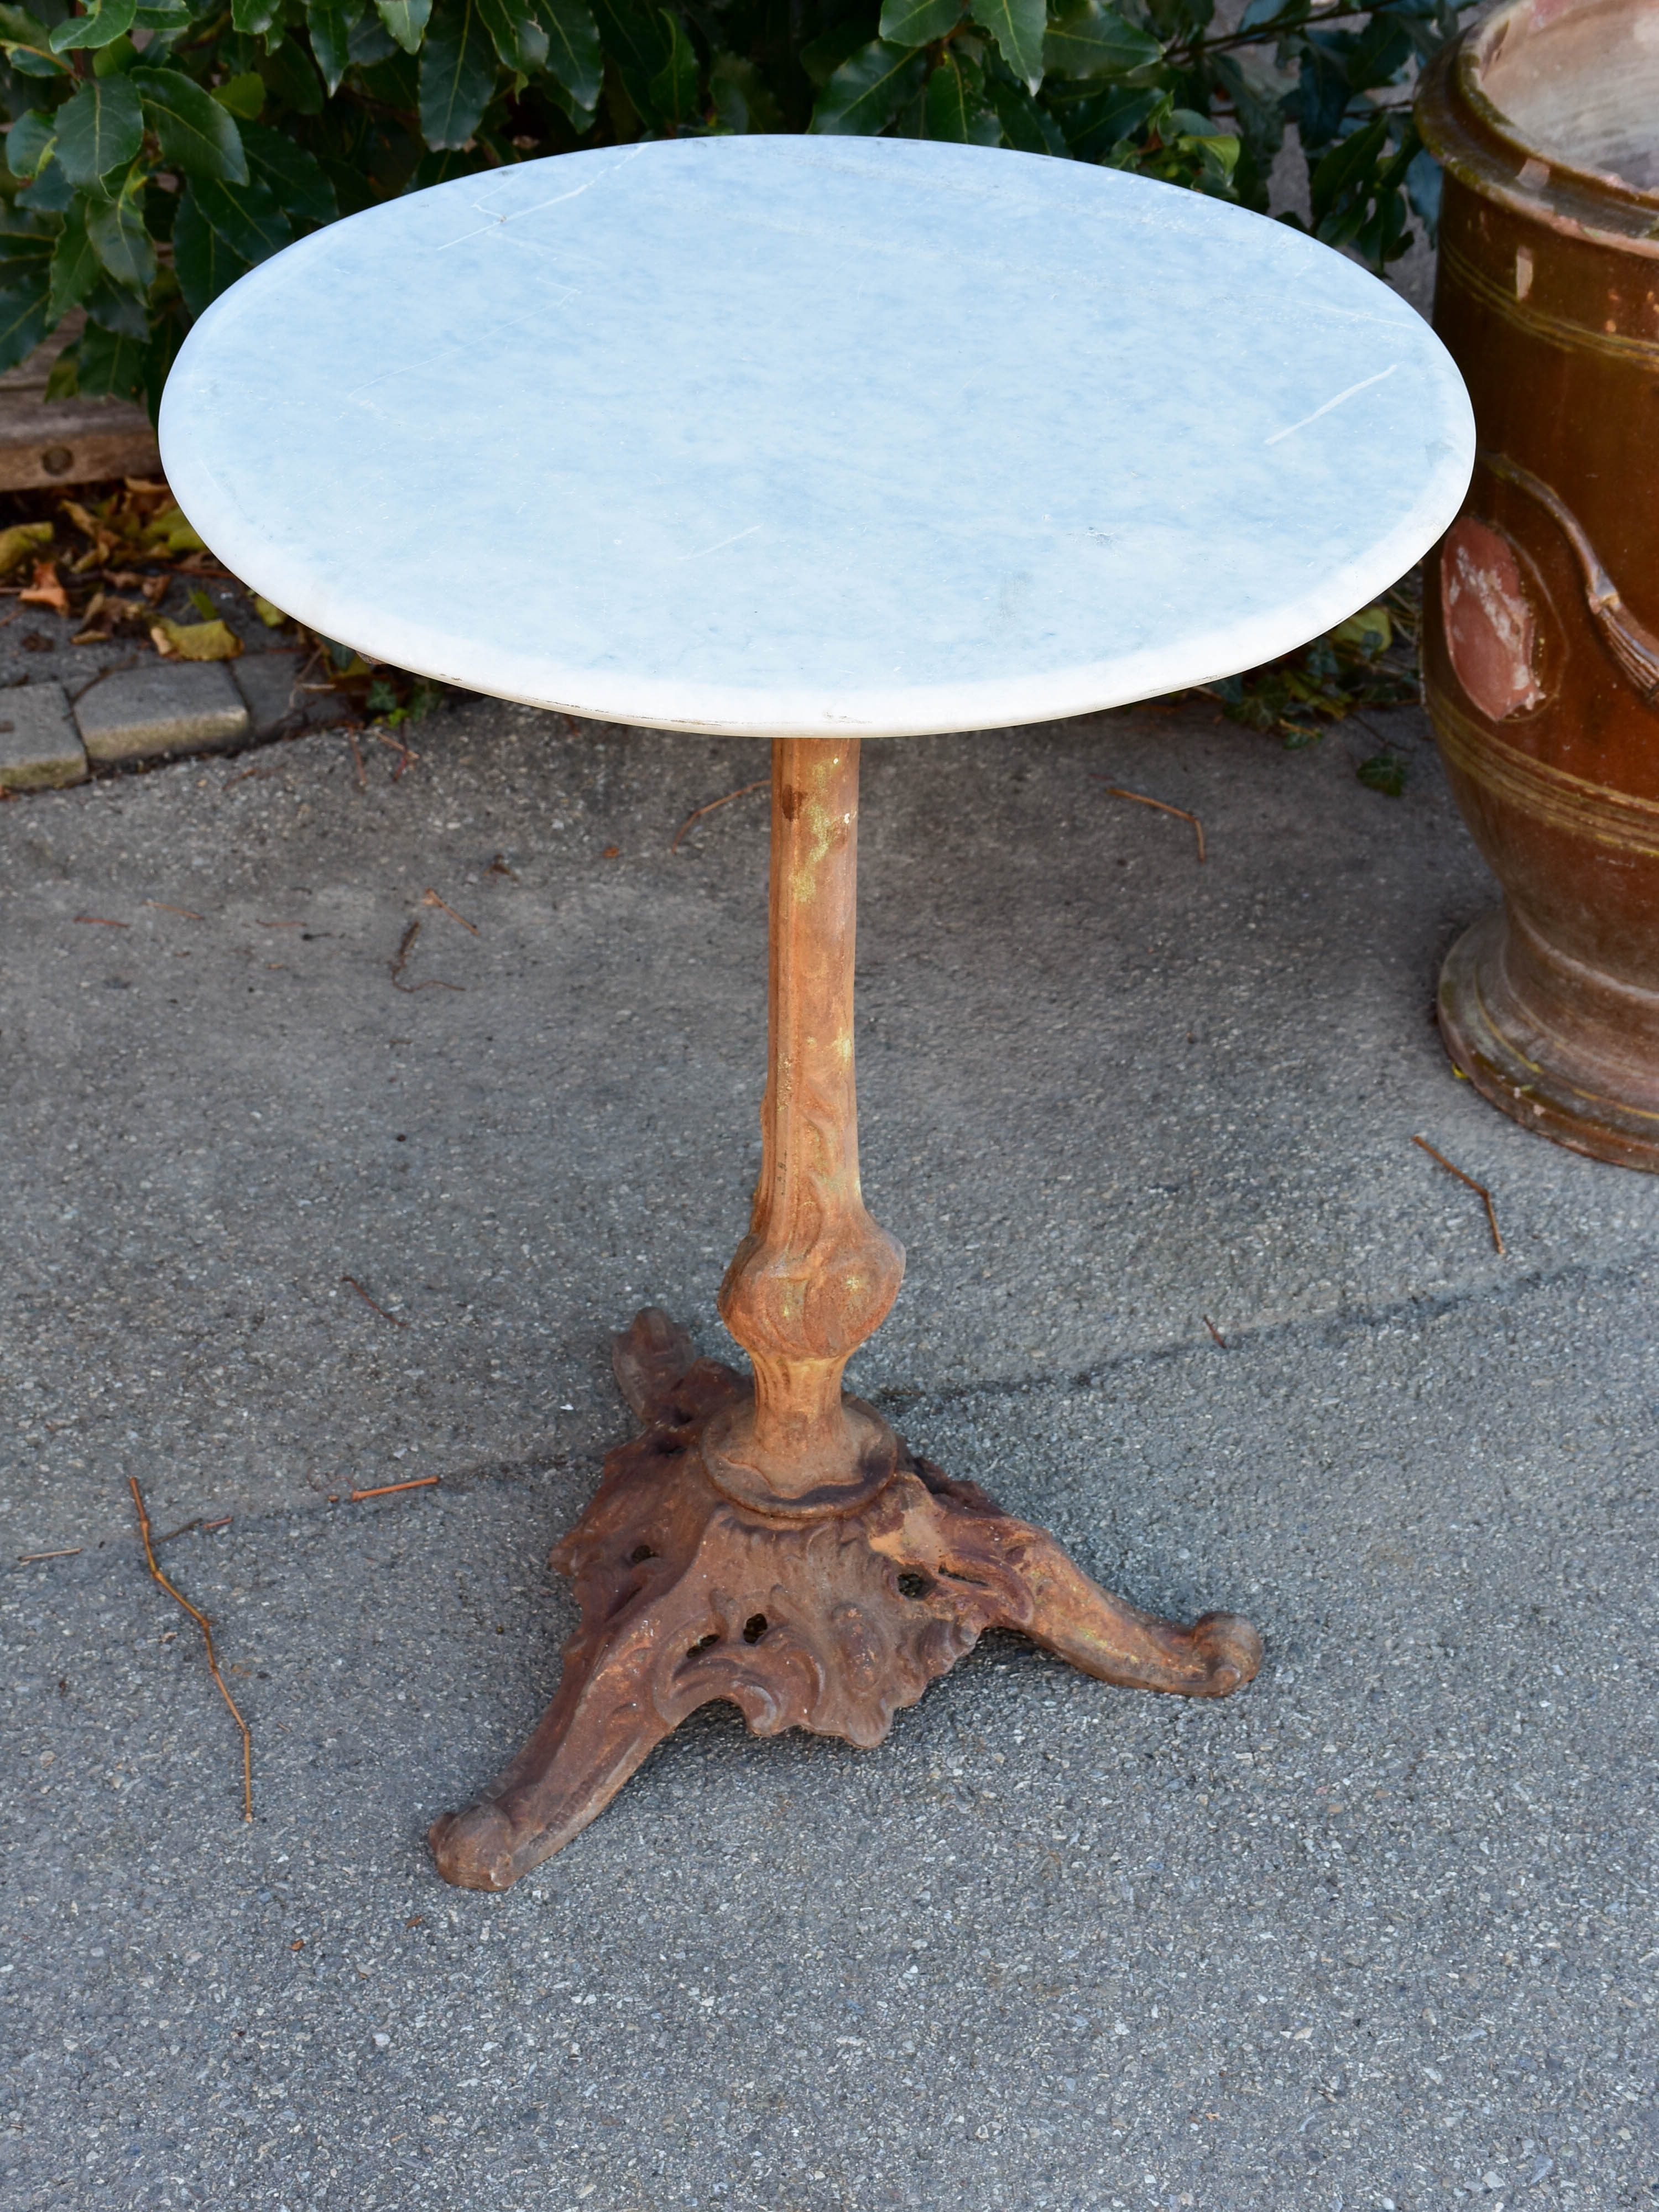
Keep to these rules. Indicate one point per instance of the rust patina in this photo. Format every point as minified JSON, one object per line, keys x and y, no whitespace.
{"x":1541,"y":659}
{"x":775,"y":1543}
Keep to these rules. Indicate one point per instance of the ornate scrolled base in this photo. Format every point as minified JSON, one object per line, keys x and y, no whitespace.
{"x":829,"y":1623}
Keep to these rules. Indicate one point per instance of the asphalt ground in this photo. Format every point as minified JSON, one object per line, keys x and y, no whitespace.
{"x":1379,"y":1930}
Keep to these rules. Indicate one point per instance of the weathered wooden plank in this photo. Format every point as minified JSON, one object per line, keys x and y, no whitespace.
{"x":67,"y":442}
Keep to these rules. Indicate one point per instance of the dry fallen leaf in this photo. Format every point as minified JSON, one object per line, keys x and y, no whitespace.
{"x":173,"y":530}
{"x":22,"y":539}
{"x":203,"y":640}
{"x":45,"y":591}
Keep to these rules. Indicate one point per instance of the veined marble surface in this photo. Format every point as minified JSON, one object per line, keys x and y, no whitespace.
{"x":814,"y":436}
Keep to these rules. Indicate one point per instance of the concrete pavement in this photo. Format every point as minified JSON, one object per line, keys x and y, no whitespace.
{"x":1379,"y":1930}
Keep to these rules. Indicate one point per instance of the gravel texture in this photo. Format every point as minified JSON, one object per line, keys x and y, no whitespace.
{"x":1378,"y":1931}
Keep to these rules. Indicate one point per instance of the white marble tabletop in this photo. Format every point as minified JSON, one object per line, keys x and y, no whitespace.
{"x":809,"y":436}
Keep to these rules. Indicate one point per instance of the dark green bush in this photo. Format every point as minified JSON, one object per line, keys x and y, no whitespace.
{"x":155,"y":152}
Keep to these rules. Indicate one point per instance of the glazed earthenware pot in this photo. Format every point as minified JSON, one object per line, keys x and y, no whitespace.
{"x":1541,"y":628}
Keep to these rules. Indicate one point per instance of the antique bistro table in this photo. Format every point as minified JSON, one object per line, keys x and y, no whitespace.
{"x":811,"y":440}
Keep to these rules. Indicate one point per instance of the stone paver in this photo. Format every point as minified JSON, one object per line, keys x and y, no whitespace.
{"x":41,"y":748}
{"x":161,"y":706}
{"x":277,"y":707}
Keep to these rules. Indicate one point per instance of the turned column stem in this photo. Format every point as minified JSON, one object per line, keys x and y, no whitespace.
{"x":814,"y":1275}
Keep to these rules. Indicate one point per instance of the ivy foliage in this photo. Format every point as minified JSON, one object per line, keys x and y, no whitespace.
{"x":154,"y":153}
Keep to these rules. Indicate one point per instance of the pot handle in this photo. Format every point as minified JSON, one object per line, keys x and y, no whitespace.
{"x":1632,"y":645}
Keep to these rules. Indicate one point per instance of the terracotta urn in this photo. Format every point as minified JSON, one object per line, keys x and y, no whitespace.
{"x":1541,"y":604}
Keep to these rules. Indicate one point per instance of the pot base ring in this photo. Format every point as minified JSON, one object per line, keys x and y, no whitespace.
{"x":1505,"y":1053}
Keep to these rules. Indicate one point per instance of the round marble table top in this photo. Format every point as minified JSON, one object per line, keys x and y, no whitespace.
{"x":815,"y":436}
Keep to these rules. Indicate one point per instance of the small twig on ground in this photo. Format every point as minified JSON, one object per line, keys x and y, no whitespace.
{"x":405,"y":752}
{"x":432,"y":983}
{"x":368,"y":1300}
{"x":206,"y":1627}
{"x":189,"y":913}
{"x":102,"y":921}
{"x":698,"y":812}
{"x":259,"y":773}
{"x":429,"y":897}
{"x":1215,"y":1332}
{"x":498,"y":868}
{"x":1163,"y":807}
{"x":207,"y":1528}
{"x":419,"y":1482}
{"x":1480,"y":1188}
{"x":28,"y":1559}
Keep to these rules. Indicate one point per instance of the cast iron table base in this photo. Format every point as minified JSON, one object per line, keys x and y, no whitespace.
{"x":776,"y":1543}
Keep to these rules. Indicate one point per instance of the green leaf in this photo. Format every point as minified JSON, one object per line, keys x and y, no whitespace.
{"x":23,"y":318}
{"x":167,"y":335}
{"x":1018,"y":26}
{"x":100,"y":129}
{"x":918,"y":22}
{"x":406,"y":19}
{"x":119,"y":56}
{"x":395,"y":83}
{"x":18,"y":24}
{"x":632,"y":36}
{"x":29,"y":142}
{"x":33,"y":61}
{"x":110,"y":20}
{"x":74,"y":263}
{"x":1384,"y":772}
{"x":1026,"y":127}
{"x":674,"y":87}
{"x":246,"y":217}
{"x":243,"y":95}
{"x":51,"y":192}
{"x":370,"y":42}
{"x":24,"y":36}
{"x":205,"y":263}
{"x":1092,"y":40}
{"x":330,"y":22}
{"x":956,"y":108}
{"x":62,"y":383}
{"x":198,"y":135}
{"x":110,"y":363}
{"x":1340,"y":169}
{"x":821,"y":57}
{"x":1370,"y":632}
{"x":575,"y":59}
{"x":515,"y":32}
{"x":25,"y":242}
{"x":1093,"y":127}
{"x":438,"y":167}
{"x":116,"y":229}
{"x":457,"y":74}
{"x":740,"y":96}
{"x":292,"y":76}
{"x":295,"y":178}
{"x":114,"y":309}
{"x":221,"y":231}
{"x":173,"y":16}
{"x":253,"y":17}
{"x":866,"y":92}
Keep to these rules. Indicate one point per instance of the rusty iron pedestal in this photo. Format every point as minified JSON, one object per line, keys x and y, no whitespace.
{"x":754,"y":522}
{"x":776,"y":1543}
